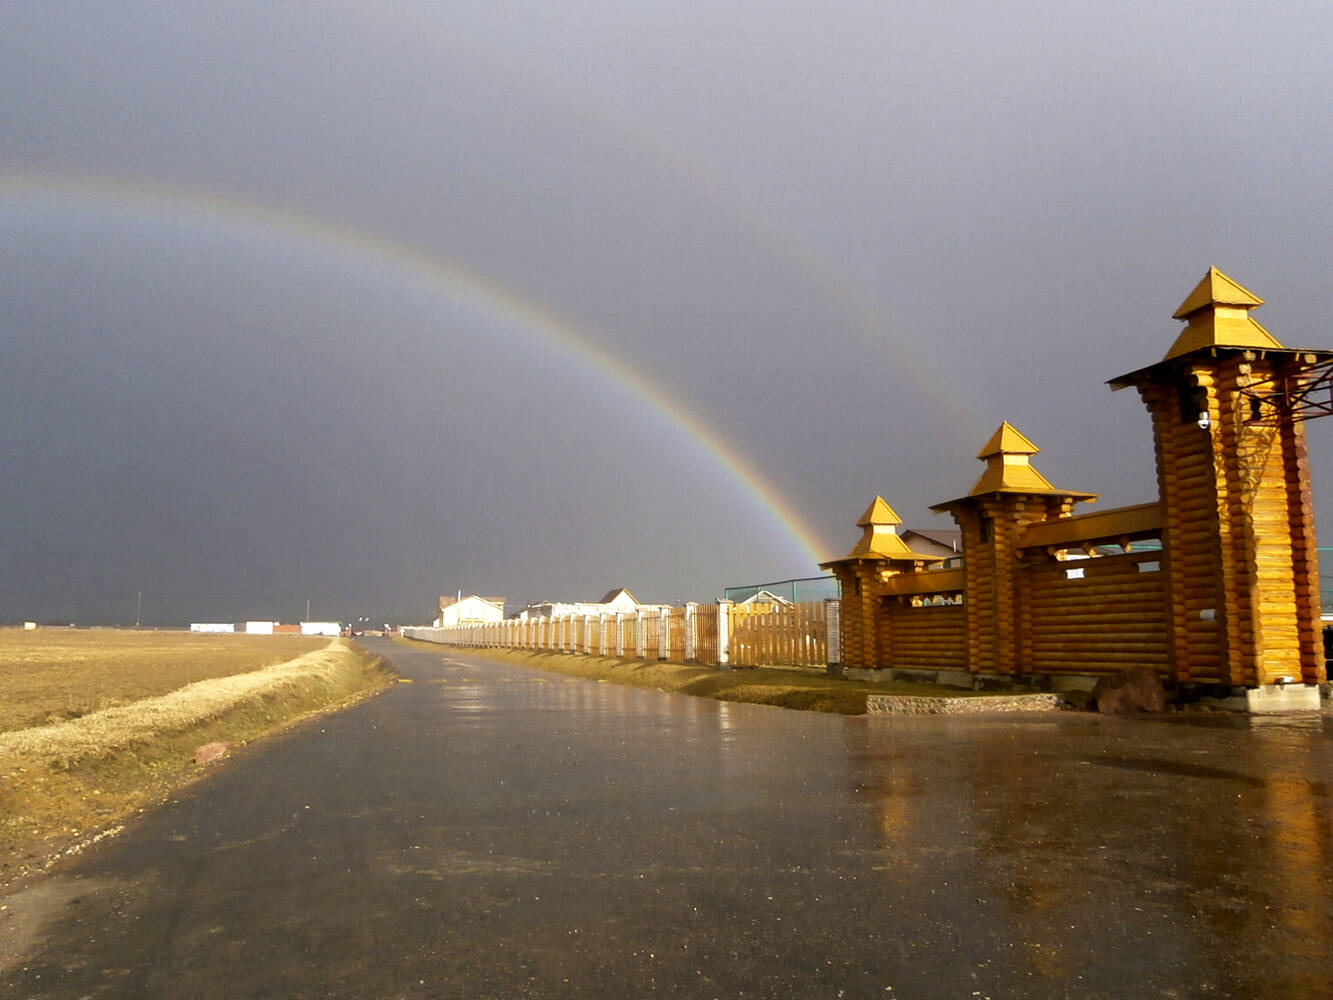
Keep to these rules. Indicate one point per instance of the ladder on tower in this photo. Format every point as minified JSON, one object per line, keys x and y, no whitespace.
{"x":1304,"y":392}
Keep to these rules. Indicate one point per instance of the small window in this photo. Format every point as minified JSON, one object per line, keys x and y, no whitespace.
{"x":987,"y":529}
{"x":1193,"y":401}
{"x":1074,"y":574}
{"x":1150,"y":567}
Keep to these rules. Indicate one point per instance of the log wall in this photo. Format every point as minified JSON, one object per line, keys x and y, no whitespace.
{"x":1093,"y":616}
{"x":925,"y":637}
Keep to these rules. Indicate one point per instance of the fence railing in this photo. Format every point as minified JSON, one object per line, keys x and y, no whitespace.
{"x":775,"y":634}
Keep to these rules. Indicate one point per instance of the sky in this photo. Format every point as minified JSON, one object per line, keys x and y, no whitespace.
{"x":350,"y":305}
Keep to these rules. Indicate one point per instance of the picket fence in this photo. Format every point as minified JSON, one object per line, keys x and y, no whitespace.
{"x":721,"y":634}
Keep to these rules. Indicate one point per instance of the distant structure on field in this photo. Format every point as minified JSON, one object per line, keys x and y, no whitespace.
{"x":331,"y":629}
{"x":468,"y":610}
{"x":617,"y":601}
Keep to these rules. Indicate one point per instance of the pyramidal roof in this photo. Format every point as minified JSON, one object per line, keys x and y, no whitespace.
{"x":1008,"y":457}
{"x":1007,"y":441}
{"x":879,"y":512}
{"x":880,"y":540}
{"x":1217,"y":314}
{"x":1216,"y":289}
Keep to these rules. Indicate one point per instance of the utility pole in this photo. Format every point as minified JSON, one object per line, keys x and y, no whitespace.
{"x":138,"y":609}
{"x":307,"y":609}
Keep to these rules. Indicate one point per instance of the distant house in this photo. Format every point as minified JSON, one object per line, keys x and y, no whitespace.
{"x":453,"y":611}
{"x":764,"y":598}
{"x":618,"y":601}
{"x":944,"y":544}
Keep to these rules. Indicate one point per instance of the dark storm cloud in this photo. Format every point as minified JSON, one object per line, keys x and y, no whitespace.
{"x":854,"y":238}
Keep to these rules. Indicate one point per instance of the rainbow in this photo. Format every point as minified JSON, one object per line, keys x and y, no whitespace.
{"x":306,"y":235}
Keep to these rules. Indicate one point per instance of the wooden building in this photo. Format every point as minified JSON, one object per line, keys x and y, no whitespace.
{"x":1215,"y":583}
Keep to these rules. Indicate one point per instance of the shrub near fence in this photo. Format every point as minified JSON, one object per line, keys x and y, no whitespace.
{"x":755,"y":635}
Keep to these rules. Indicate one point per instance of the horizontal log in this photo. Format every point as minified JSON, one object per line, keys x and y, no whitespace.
{"x":1130,"y":581}
{"x":1195,"y":529}
{"x":1099,"y":650}
{"x":1090,"y":597}
{"x":1153,"y":632}
{"x":1109,"y":633}
{"x":1055,"y":669}
{"x":941,"y":651}
{"x":1203,"y":538}
{"x":925,"y":653}
{"x":1100,"y":607}
{"x":1192,"y":467}
{"x":1104,"y":658}
{"x":1105,"y":611}
{"x":1044,"y":664}
{"x":1145,"y":587}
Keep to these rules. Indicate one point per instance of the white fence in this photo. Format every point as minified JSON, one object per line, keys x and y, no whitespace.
{"x":721,"y":634}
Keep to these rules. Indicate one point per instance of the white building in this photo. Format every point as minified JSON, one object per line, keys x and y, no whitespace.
{"x":469,"y":610}
{"x":619,"y":601}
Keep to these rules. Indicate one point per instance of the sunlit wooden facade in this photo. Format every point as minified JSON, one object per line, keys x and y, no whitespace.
{"x":1213,"y":583}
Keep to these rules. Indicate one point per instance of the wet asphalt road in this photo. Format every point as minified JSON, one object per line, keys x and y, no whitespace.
{"x":491,"y":831}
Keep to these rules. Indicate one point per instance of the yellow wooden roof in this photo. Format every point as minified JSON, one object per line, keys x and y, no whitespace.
{"x":1001,"y":477}
{"x":1217,"y":314}
{"x":879,"y":540}
{"x":1007,"y":440}
{"x":1216,"y":289}
{"x":1008,"y":465}
{"x":879,"y":512}
{"x":1009,"y":469}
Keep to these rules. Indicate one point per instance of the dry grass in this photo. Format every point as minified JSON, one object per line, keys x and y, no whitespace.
{"x":63,"y":782}
{"x":799,"y":689}
{"x":55,"y":674}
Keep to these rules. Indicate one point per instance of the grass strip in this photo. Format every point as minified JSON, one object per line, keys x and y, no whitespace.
{"x":61,"y":784}
{"x":805,"y":690}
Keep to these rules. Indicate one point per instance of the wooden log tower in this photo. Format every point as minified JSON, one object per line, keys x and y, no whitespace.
{"x":1228,"y":404}
{"x":1010,"y":496}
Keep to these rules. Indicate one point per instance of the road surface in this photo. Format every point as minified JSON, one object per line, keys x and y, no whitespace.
{"x":491,"y":831}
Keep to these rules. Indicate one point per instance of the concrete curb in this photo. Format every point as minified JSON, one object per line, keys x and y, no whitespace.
{"x":889,"y":704}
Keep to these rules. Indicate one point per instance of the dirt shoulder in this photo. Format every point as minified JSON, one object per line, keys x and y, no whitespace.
{"x":66,"y":784}
{"x":807,"y":690}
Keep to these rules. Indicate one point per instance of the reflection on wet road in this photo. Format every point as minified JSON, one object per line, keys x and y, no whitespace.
{"x":488,"y":831}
